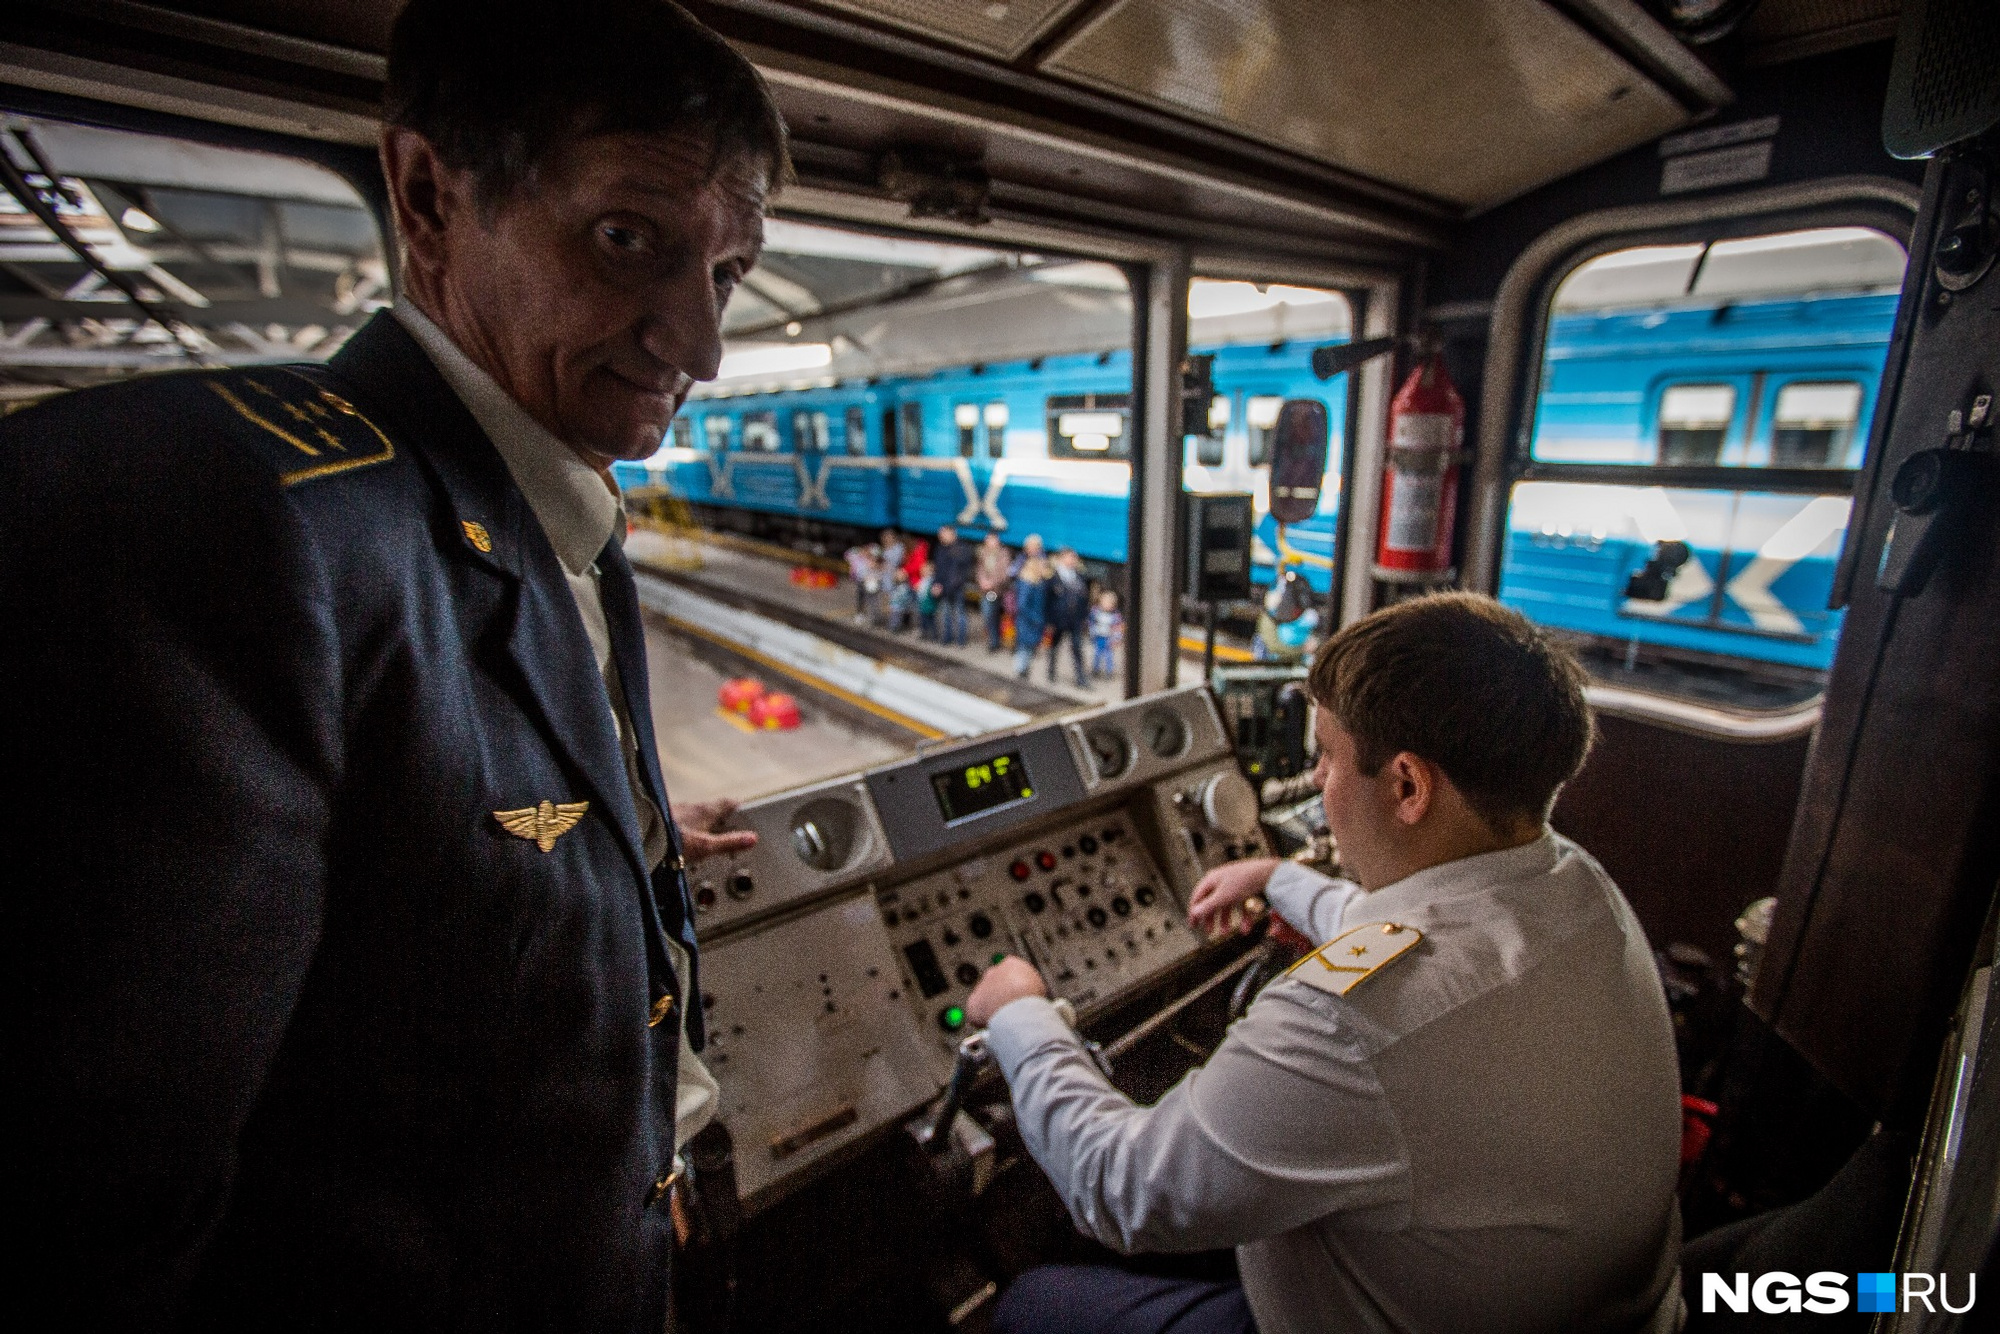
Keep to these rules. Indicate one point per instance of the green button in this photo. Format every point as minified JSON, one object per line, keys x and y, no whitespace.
{"x":998,"y":956}
{"x":954,"y":1017}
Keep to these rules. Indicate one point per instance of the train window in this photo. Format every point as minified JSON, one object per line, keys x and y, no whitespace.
{"x":760,"y":432}
{"x":1260,"y":416}
{"x":966,"y":417}
{"x":1674,"y":379}
{"x":255,"y":257}
{"x":1812,"y":425}
{"x":682,"y":433}
{"x":857,"y":431}
{"x":1694,"y":422}
{"x":1208,"y":446}
{"x":719,"y":429}
{"x":810,"y":432}
{"x":910,"y":430}
{"x":996,"y":430}
{"x":1089,"y":426}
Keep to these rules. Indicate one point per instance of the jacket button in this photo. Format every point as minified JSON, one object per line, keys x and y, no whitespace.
{"x":662,"y":1007}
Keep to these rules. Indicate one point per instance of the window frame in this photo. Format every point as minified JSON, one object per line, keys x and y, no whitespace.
{"x":1514,"y":367}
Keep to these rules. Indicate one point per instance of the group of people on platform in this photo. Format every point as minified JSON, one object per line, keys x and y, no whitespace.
{"x":1026,"y":598}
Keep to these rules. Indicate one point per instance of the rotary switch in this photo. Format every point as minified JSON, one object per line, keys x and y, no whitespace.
{"x":1227,"y":802}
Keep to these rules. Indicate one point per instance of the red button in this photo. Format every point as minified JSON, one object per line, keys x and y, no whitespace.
{"x":1019,"y":870}
{"x":1046,"y":860}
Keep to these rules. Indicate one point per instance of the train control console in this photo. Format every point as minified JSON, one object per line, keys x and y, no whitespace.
{"x":838,"y":953}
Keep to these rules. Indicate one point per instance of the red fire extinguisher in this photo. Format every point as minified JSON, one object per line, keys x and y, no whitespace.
{"x":1420,"y":484}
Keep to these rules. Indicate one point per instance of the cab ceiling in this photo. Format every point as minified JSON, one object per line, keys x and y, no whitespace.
{"x":1360,"y":130}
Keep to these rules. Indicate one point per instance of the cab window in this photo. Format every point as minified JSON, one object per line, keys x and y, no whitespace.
{"x":1684,"y":494}
{"x":966,"y":417}
{"x":857,"y":431}
{"x":995,"y":418}
{"x":810,"y":432}
{"x":1694,"y":422}
{"x":720,"y":431}
{"x":910,"y":430}
{"x":1089,"y":426}
{"x":682,"y":434}
{"x":1812,"y":424}
{"x":760,"y":431}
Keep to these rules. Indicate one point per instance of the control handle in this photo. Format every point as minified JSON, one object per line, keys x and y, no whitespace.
{"x":973,"y":1054}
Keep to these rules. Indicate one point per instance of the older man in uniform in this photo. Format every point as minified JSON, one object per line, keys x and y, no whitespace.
{"x":352,"y":964}
{"x":1460,"y":1112}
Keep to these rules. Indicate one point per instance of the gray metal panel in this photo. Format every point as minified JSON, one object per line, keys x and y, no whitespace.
{"x":808,"y":1066}
{"x":1475,"y":101}
{"x":909,"y":809}
{"x":779,"y":874}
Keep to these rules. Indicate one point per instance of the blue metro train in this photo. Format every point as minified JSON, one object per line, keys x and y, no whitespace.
{"x":1042,"y":446}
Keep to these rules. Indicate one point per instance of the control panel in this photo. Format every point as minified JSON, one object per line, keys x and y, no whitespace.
{"x":1084,"y":902}
{"x":837,"y":954}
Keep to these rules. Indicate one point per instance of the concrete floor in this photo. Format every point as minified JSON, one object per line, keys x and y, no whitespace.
{"x":703,"y":754}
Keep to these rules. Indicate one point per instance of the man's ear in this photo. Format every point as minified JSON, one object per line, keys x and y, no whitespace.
{"x":1414,"y":783}
{"x":426,"y":196}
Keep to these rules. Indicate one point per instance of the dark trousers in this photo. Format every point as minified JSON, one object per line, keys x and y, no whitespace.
{"x":992,"y":607}
{"x":1075,"y":637}
{"x":1097,"y":1299}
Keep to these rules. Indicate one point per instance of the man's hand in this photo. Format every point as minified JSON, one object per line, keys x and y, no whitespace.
{"x":699,"y":822}
{"x":1008,"y":980}
{"x":1221,"y":902}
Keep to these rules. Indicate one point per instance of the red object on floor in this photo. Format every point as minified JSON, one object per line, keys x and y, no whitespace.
{"x":1697,"y":1126}
{"x":775,"y":712}
{"x":740,"y":694}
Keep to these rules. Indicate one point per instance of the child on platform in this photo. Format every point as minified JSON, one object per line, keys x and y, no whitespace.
{"x":1107,"y":627}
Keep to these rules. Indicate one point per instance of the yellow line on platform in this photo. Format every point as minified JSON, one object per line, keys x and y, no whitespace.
{"x":924,"y":730}
{"x":735,"y":720}
{"x":1223,"y":652}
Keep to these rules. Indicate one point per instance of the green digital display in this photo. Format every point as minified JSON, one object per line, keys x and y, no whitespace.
{"x":982,"y":786}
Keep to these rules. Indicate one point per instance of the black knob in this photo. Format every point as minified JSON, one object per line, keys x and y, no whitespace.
{"x":981,"y":924}
{"x":966,"y":974}
{"x":950,"y":936}
{"x":1144,"y":894}
{"x":1122,"y":906}
{"x":1098,"y":917}
{"x":1088,"y":843}
{"x":740,"y":885}
{"x":1034,"y":902}
{"x":1200,"y":843}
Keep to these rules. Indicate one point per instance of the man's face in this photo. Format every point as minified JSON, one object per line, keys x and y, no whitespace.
{"x":1360,"y":809}
{"x":594,"y":294}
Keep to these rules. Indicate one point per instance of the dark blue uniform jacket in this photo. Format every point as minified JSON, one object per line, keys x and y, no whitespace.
{"x":297,"y":1034}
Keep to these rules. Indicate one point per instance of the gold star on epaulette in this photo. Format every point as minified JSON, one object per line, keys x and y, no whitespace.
{"x":1362,"y":952}
{"x":347,"y":439}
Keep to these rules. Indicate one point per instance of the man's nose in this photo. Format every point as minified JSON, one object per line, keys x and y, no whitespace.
{"x":685,"y":330}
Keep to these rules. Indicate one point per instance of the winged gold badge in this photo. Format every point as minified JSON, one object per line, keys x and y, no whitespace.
{"x":543,"y":824}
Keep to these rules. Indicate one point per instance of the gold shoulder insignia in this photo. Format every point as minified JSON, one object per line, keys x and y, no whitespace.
{"x":313,"y":431}
{"x":1354,"y":956}
{"x":542,"y":825}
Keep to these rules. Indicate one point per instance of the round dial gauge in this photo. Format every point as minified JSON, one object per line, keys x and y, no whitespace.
{"x":1164,"y":732}
{"x":1109,"y":751}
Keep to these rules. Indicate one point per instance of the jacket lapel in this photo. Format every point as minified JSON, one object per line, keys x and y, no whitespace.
{"x":546,"y":643}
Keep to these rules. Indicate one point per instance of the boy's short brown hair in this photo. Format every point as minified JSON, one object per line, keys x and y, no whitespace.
{"x":1471,"y":686}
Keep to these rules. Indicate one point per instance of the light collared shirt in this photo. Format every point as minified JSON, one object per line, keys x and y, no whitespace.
{"x":1483,"y":1135}
{"x":579,"y":511}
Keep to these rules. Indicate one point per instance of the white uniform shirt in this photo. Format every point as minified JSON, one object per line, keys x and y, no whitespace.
{"x":579,"y":512}
{"x":1484,"y":1135}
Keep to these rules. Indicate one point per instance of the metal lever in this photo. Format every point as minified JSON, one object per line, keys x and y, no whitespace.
{"x":973,"y":1054}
